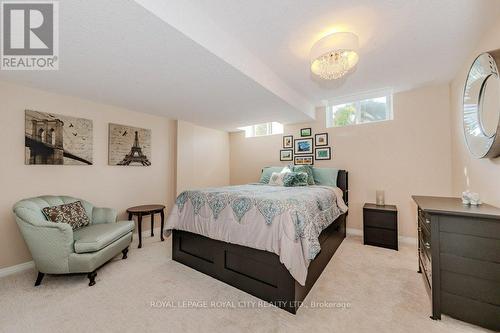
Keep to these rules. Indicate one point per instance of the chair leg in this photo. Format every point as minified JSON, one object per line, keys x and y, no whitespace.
{"x":125,"y":251}
{"x":39,"y":279}
{"x":91,"y":277}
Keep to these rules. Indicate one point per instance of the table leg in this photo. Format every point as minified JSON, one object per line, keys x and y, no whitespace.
{"x":152,"y":224}
{"x":162,"y":215}
{"x":139,"y":222}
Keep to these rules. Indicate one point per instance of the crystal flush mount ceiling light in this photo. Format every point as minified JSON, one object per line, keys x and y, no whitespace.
{"x":335,"y":55}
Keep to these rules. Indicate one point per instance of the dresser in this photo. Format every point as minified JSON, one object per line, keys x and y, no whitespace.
{"x":380,"y":226}
{"x":459,"y":258}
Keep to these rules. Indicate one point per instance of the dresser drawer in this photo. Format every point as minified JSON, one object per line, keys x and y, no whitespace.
{"x":424,"y":221}
{"x":425,"y":250}
{"x":425,"y":237}
{"x":426,"y":267}
{"x":379,"y":219}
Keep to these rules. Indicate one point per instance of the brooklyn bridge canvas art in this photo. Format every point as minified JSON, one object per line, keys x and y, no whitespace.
{"x":129,"y":145}
{"x":57,"y":139}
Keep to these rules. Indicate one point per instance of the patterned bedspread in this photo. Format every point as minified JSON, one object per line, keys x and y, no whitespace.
{"x":283,"y":220}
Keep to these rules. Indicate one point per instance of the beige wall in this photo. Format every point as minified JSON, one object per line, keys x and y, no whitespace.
{"x":409,"y":155}
{"x":103,"y":185}
{"x":483,"y":174}
{"x":202,"y":157}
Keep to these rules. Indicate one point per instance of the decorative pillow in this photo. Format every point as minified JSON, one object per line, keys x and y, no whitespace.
{"x":288,"y":168}
{"x":307,"y":169}
{"x":292,"y":179}
{"x":277,"y":178}
{"x":267,"y":172}
{"x":72,"y":214}
{"x":325,"y":176}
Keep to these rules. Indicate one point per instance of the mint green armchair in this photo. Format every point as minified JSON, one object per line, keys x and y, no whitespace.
{"x":58,"y":249}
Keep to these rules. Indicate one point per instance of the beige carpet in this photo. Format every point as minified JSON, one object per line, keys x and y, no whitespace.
{"x":373,"y":289}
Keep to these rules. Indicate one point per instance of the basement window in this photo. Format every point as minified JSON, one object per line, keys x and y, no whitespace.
{"x":361,"y":111}
{"x":262,"y":129}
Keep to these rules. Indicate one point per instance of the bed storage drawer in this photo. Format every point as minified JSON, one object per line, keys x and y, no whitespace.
{"x":197,"y":247}
{"x":259,"y":273}
{"x":252,"y":268}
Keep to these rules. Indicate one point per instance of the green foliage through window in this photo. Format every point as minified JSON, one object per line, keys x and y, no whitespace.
{"x":360,"y":112}
{"x":344,"y":115}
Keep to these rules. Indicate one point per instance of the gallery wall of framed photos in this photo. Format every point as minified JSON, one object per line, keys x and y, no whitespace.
{"x":307,"y":148}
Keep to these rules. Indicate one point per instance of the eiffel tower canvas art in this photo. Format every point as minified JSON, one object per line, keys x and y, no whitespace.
{"x":129,"y":146}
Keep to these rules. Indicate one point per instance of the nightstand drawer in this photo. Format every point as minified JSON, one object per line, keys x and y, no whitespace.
{"x":381,"y":237}
{"x":380,"y":219}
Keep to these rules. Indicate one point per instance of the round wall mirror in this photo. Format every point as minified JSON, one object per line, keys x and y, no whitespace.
{"x":481,"y":106}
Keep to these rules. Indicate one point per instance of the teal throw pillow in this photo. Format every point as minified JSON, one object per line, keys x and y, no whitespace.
{"x":292,"y":179}
{"x":325,"y":176}
{"x":307,"y":169}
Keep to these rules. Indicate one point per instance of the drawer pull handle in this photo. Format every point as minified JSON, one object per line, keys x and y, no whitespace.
{"x":427,"y":221}
{"x":427,"y":245}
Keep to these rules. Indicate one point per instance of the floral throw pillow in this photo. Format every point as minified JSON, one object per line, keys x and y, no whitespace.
{"x":292,"y":179}
{"x":307,"y":169}
{"x":72,"y":214}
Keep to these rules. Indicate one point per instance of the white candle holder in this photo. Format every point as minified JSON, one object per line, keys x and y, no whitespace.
{"x":380,"y":198}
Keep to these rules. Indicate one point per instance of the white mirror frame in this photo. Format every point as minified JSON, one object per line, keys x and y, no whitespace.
{"x":480,"y":144}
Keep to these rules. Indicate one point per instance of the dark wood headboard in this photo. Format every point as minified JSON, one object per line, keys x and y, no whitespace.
{"x":342,"y":183}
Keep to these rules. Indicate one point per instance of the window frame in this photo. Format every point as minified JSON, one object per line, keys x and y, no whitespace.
{"x":356,"y":100}
{"x":250,"y":130}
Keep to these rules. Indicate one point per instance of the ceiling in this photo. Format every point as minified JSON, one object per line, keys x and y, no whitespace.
{"x":117,"y":52}
{"x":403,"y":44}
{"x":229,"y":63}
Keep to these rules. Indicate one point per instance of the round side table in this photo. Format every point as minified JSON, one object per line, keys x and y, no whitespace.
{"x":140,"y":211}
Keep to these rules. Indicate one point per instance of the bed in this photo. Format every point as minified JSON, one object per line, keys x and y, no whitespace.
{"x":278,"y":269}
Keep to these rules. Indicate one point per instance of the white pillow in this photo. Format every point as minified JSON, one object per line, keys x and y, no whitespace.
{"x":286,"y":169}
{"x":277,"y":178}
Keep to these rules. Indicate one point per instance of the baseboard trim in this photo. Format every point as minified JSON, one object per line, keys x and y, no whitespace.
{"x":6,"y":271}
{"x":401,"y":239}
{"x":408,"y":240}
{"x":354,"y":232}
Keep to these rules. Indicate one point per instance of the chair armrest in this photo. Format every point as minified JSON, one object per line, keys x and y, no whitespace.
{"x":103,"y":215}
{"x":50,"y":244}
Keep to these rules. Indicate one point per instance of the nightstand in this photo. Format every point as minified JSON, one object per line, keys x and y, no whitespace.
{"x":380,"y":226}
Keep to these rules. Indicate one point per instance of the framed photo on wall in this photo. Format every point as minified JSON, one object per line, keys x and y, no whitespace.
{"x":304,"y":160}
{"x":286,"y":155}
{"x":323,"y":153}
{"x":129,"y":146}
{"x":288,"y":141}
{"x":303,"y":146}
{"x":54,"y":139}
{"x":321,"y":139}
{"x":305,"y":132}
